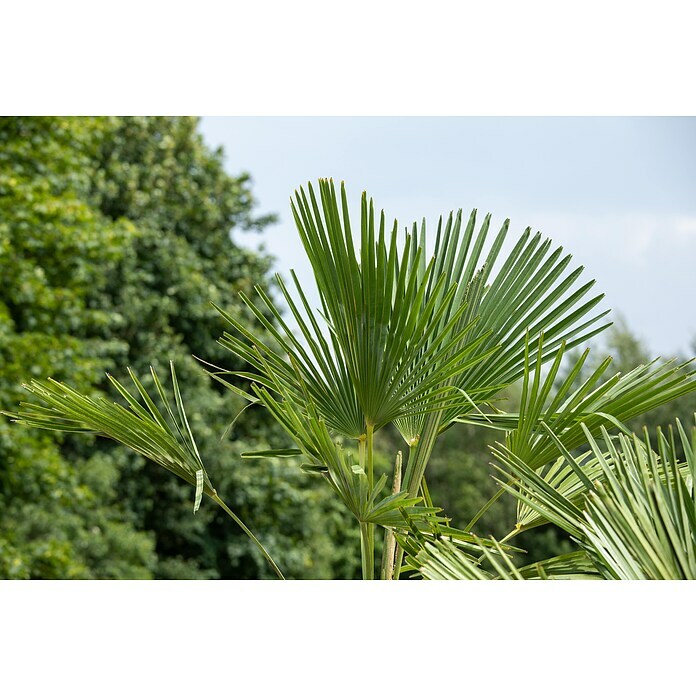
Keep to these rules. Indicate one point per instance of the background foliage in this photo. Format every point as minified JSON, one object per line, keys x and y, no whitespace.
{"x":115,"y":236}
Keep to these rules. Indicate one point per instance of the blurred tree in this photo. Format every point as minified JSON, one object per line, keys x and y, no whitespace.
{"x":56,"y":520}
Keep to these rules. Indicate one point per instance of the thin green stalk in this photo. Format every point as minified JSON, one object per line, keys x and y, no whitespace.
{"x":369,"y":446}
{"x":367,"y":551}
{"x":366,"y":539}
{"x":370,"y":452}
{"x":250,"y":534}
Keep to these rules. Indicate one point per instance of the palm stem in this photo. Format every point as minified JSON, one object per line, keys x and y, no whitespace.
{"x":250,"y":534}
{"x":367,"y":551}
{"x":370,"y":528}
{"x":370,"y":453}
{"x":366,"y":541}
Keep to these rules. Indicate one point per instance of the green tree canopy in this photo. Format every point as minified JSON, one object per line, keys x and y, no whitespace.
{"x":115,"y":235}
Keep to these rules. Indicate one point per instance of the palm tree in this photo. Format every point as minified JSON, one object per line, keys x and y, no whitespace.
{"x":420,"y":340}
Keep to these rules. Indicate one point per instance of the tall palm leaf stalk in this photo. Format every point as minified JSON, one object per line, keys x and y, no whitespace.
{"x":422,"y":340}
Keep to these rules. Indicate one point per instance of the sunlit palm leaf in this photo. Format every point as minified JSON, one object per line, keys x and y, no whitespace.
{"x":442,"y":560}
{"x":392,"y":336}
{"x":641,"y":520}
{"x":554,"y":418}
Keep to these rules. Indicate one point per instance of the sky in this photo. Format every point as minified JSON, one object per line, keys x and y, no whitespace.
{"x":619,"y":194}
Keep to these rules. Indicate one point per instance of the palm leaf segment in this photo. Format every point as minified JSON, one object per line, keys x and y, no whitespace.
{"x":635,"y":518}
{"x":408,"y":338}
{"x":555,"y":419}
{"x":163,"y":437}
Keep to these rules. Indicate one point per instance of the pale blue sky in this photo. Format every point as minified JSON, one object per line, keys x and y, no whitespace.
{"x":617,"y":193}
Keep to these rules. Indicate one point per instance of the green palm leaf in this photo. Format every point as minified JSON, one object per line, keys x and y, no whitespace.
{"x":551,"y":415}
{"x":554,"y":419}
{"x":163,"y":436}
{"x":641,"y":519}
{"x":392,"y":336}
{"x":532,"y":292}
{"x":636,"y":517}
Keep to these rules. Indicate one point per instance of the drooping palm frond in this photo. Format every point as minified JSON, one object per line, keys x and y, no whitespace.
{"x":162,"y":436}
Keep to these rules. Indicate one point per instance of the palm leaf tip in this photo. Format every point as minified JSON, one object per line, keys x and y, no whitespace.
{"x":162,"y":433}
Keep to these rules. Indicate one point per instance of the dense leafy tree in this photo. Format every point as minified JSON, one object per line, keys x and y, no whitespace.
{"x":114,"y":238}
{"x":57,"y":519}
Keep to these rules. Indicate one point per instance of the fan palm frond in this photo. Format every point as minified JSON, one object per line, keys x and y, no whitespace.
{"x":636,"y":515}
{"x":641,"y":519}
{"x":164,"y":437}
{"x":392,"y":336}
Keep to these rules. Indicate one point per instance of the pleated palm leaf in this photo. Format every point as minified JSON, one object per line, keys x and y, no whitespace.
{"x":162,"y":437}
{"x":533,"y":292}
{"x":555,"y":418}
{"x":392,"y":334}
{"x":405,"y":340}
{"x":635,"y":517}
{"x":527,"y":295}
